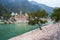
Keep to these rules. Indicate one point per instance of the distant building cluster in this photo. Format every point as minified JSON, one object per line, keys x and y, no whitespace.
{"x":20,"y":17}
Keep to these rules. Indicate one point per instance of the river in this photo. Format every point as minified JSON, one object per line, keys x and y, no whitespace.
{"x":10,"y":30}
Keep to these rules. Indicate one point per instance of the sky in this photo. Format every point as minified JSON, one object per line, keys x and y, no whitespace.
{"x":52,"y":3}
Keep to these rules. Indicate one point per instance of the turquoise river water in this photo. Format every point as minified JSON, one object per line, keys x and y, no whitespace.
{"x":8,"y":31}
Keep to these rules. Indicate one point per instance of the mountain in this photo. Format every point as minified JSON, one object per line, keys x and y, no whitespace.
{"x":19,"y":5}
{"x":24,"y":5}
{"x":42,"y":6}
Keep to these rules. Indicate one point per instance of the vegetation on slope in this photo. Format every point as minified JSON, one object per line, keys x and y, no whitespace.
{"x":56,"y":14}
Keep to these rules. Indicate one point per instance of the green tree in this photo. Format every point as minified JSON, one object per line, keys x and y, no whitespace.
{"x":41,"y":14}
{"x":56,"y":14}
{"x":34,"y":17}
{"x":38,"y":14}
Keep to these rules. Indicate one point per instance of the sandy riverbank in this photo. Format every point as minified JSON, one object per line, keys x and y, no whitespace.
{"x":49,"y":32}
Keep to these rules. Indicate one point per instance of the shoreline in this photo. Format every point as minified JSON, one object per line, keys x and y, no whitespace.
{"x":46,"y":32}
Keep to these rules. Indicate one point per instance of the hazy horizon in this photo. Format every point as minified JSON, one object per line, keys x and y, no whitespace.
{"x":51,"y":3}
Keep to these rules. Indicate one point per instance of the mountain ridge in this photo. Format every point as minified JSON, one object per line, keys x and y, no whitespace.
{"x":25,"y":6}
{"x":43,"y":6}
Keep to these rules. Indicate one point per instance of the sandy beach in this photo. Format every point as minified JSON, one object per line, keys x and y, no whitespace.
{"x":48,"y":32}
